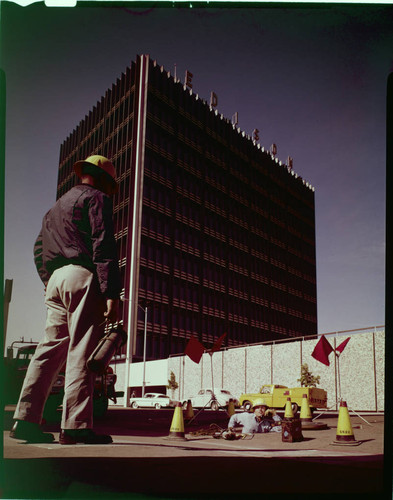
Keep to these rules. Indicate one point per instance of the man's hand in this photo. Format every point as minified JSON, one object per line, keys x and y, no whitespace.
{"x":112,"y":310}
{"x":230,"y":435}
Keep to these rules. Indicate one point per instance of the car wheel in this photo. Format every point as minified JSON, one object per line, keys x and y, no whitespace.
{"x":134,"y":404}
{"x":214,"y":406}
{"x":157,"y":406}
{"x":295,"y":408}
{"x":247,"y":405}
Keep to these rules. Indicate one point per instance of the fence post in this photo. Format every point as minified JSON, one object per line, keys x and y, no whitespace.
{"x":181,"y":378}
{"x":301,"y":355}
{"x":245,"y":370}
{"x":202,"y":370}
{"x":301,"y":351}
{"x":335,"y":373}
{"x":222,"y":368}
{"x":375,"y":373}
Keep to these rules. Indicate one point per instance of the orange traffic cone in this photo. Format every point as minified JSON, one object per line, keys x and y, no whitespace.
{"x":231,"y":407}
{"x":344,"y":434}
{"x":189,"y":411}
{"x":177,"y":427}
{"x":305,"y":412}
{"x":288,"y":415}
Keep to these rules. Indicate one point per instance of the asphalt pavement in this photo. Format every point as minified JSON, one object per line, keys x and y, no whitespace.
{"x":144,"y":460}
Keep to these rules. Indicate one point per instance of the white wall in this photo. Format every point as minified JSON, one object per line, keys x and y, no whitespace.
{"x":246,"y":369}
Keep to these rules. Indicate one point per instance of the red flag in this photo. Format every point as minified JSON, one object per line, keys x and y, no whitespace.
{"x":194,"y":350}
{"x":218,"y":343}
{"x":322,"y":350}
{"x":341,"y":347}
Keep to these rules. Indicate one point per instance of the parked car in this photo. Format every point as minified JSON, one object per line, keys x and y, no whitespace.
{"x":152,"y":400}
{"x":205,"y":398}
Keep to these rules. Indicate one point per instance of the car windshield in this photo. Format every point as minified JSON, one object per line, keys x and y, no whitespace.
{"x":223,"y":391}
{"x":149,"y":396}
{"x":163,"y":396}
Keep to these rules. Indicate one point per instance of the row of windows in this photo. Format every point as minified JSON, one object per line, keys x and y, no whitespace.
{"x":162,"y":346}
{"x":267,"y":262}
{"x":190,"y":209}
{"x":207,"y":329}
{"x":215,"y":284}
{"x":220,"y":178}
{"x":188,"y":213}
{"x":160,"y":197}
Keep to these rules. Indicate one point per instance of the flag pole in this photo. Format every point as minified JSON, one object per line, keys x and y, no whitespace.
{"x":211,"y":364}
{"x":339,"y":378}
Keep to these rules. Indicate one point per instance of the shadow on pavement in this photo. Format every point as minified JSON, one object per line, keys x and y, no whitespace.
{"x":189,"y":477}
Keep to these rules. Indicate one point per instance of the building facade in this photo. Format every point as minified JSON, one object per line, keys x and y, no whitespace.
{"x":214,"y":234}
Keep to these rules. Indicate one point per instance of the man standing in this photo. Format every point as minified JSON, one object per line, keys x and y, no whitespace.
{"x":256,"y":421}
{"x":76,"y":258}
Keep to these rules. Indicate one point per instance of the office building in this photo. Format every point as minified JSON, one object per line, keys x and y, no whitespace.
{"x":214,"y":233}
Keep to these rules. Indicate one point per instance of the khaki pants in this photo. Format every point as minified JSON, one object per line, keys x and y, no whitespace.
{"x":75,"y":309}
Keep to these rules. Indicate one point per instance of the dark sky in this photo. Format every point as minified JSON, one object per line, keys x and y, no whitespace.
{"x":312,"y":80}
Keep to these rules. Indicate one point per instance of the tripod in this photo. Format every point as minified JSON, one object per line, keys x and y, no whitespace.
{"x":213,"y":402}
{"x":340,"y":399}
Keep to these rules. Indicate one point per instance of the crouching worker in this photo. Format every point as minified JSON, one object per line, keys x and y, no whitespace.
{"x":261,"y":419}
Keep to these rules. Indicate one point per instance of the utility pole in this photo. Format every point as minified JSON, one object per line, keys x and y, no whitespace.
{"x":7,"y":300}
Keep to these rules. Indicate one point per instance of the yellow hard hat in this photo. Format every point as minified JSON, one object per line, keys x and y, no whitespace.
{"x":259,"y":402}
{"x":100,"y":162}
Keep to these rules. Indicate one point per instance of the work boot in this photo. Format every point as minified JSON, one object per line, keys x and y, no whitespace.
{"x":85,"y":436}
{"x":30,"y":432}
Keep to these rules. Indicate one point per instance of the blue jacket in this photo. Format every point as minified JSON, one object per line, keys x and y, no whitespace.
{"x":78,"y":229}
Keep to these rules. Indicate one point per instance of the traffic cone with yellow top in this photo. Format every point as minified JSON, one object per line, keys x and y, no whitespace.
{"x":306,"y":417}
{"x":177,"y":427}
{"x":344,"y":434}
{"x":189,"y":414}
{"x":305,"y":412}
{"x":291,"y":426}
{"x":288,"y":415}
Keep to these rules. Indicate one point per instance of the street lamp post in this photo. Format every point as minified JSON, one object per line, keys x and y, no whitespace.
{"x":144,"y":352}
{"x":126,"y":381}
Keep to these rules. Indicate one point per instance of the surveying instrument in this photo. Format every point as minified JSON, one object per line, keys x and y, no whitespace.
{"x":213,"y":402}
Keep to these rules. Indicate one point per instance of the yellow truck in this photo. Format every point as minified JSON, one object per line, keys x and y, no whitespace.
{"x":276,"y":396}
